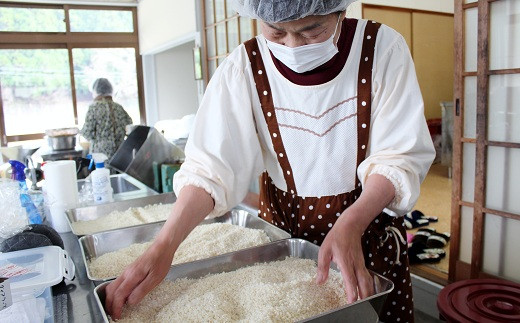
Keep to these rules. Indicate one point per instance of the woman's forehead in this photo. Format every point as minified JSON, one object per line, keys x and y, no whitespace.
{"x":299,"y":25}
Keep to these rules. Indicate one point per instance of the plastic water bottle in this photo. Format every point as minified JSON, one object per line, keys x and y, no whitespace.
{"x":18,"y":174}
{"x":100,"y":177}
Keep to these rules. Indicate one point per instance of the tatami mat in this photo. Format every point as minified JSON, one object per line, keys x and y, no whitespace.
{"x":435,"y":200}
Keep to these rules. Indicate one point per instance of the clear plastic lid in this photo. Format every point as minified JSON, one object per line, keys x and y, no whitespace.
{"x":30,"y":271}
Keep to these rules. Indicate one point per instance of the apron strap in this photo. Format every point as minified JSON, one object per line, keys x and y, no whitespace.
{"x":364,"y":98}
{"x":266,"y":101}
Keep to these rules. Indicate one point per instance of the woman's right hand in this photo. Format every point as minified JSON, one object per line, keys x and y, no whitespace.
{"x":138,"y":279}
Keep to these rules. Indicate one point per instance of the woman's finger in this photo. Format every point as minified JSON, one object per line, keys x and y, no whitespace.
{"x":109,"y":292}
{"x":131,"y":278}
{"x":349,"y":281}
{"x":365,"y":283}
{"x":324,"y":259}
{"x":141,"y":290}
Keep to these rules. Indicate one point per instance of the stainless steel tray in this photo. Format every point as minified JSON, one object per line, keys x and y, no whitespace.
{"x":96,"y":211}
{"x":97,"y":244}
{"x":365,"y":310}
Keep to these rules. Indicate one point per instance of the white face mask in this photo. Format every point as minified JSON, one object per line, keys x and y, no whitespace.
{"x":307,"y":57}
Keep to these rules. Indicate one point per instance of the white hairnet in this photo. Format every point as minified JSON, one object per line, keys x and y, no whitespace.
{"x":102,"y":87}
{"x":286,"y":10}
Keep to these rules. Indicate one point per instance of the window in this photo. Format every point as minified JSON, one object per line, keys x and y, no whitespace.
{"x":49,"y":57}
{"x":117,"y":65}
{"x":101,"y":21}
{"x":32,"y":19}
{"x":35,"y":90}
{"x":486,"y":142}
{"x":223,"y":31}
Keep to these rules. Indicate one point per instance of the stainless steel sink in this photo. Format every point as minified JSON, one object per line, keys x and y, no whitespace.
{"x":122,"y":185}
{"x":125,"y":187}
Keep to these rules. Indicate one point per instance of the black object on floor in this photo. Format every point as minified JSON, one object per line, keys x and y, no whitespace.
{"x":422,"y":235}
{"x":419,"y":253}
{"x":416,"y":215}
{"x":412,"y":224}
{"x":438,"y":240}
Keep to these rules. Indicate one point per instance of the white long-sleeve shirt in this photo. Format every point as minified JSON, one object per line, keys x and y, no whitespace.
{"x":230,"y":144}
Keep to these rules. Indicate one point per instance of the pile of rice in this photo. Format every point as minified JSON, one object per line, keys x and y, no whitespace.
{"x":281,"y":291}
{"x":204,"y":241}
{"x":120,"y":219}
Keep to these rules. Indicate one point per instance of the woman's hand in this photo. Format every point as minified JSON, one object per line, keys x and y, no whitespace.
{"x":138,"y":279}
{"x":342,"y":245}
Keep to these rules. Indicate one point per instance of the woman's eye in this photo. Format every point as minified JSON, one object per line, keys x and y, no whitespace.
{"x":311,"y":36}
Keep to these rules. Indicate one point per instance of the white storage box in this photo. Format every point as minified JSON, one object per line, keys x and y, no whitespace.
{"x":31,"y":271}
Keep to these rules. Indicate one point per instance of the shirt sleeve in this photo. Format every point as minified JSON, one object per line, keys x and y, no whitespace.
{"x":89,"y":128}
{"x":223,"y":153}
{"x":400,"y":146}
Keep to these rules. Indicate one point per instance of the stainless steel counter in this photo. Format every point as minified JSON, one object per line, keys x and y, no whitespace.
{"x":74,"y":300}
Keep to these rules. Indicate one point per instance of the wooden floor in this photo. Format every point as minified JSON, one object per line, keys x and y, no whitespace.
{"x":435,"y":200}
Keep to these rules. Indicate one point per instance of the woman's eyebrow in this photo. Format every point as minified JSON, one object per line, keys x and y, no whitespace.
{"x":306,"y":28}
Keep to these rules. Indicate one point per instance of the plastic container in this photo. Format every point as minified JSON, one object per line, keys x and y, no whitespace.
{"x":31,"y":271}
{"x":480,"y":300}
{"x":100,"y":177}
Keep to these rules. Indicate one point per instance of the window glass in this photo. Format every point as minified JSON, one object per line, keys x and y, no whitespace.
{"x":232,"y":34}
{"x":101,"y":21}
{"x":212,"y":66}
{"x":36,"y":91}
{"x":246,"y":32}
{"x":210,"y":42}
{"x":502,"y":189}
{"x":504,"y":108}
{"x":230,"y":12}
{"x":504,"y":30}
{"x":470,"y":39}
{"x":221,"y":39}
{"x":220,"y":14}
{"x":32,"y":20}
{"x":208,"y":5}
{"x":115,"y":64}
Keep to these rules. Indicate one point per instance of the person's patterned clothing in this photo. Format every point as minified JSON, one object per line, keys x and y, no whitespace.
{"x":105,"y":126}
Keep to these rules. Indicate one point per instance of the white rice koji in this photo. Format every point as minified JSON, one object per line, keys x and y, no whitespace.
{"x":281,"y":291}
{"x":120,"y":219}
{"x":204,"y":241}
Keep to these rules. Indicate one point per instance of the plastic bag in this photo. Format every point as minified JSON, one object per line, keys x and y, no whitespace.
{"x":13,"y":217}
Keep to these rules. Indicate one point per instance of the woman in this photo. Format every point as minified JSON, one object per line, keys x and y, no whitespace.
{"x":105,"y":121}
{"x":328,"y":110}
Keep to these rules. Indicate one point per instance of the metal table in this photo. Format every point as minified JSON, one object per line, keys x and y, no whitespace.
{"x":74,"y":300}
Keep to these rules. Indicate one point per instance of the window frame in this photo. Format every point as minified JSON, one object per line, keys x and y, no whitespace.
{"x":205,"y":27}
{"x":459,"y":269}
{"x":69,"y":40}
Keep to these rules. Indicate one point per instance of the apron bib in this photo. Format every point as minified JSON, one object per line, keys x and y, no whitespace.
{"x":311,"y":218}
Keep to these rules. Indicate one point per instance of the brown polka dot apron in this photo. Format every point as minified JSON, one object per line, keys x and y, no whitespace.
{"x":311,"y":218}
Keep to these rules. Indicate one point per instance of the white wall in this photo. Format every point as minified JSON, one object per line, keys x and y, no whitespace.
{"x":164,"y":23}
{"x":354,"y":10}
{"x":175,"y":82}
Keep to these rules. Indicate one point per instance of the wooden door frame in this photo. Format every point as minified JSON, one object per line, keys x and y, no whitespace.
{"x":458,"y":269}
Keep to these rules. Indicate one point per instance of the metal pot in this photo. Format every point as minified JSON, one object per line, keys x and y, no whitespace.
{"x":62,"y":142}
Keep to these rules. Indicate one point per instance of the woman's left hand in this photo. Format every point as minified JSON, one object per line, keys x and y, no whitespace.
{"x":342,"y":245}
